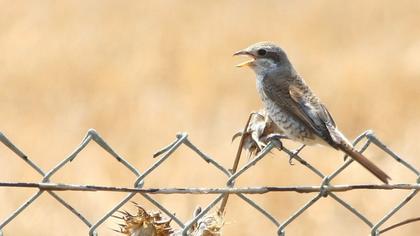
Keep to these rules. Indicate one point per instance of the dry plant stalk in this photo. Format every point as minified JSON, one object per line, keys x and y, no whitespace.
{"x":147,"y":223}
{"x":254,"y":138}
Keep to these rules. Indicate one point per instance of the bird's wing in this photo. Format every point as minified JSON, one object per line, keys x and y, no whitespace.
{"x":299,"y":101}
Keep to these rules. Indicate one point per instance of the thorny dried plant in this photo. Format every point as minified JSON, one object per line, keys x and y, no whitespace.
{"x":144,"y":223}
{"x":148,"y":223}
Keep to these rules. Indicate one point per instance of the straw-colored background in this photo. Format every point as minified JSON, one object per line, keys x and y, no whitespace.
{"x":139,"y":72}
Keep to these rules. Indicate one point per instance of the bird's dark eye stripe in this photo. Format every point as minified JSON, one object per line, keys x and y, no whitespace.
{"x":262,"y":52}
{"x":274,"y":56}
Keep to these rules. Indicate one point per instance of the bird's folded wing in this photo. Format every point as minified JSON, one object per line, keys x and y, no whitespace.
{"x":318,"y":114}
{"x":299,"y":101}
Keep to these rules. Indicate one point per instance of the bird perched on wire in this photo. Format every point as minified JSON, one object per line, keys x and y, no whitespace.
{"x":293,"y":107}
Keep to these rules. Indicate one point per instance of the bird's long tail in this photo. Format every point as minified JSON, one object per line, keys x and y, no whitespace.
{"x":375,"y":170}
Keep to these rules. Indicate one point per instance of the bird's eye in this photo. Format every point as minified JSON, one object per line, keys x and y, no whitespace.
{"x":261,"y":52}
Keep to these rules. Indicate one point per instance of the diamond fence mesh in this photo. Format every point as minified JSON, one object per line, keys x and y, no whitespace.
{"x":45,"y":186}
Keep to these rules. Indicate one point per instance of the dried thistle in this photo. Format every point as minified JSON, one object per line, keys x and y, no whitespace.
{"x":144,"y":223}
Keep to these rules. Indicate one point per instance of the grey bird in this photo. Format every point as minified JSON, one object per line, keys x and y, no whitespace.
{"x":293,"y":107}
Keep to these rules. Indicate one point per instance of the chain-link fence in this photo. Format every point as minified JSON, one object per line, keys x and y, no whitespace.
{"x":324,"y":189}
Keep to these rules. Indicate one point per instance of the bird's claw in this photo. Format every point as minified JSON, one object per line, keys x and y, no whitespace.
{"x":345,"y":157}
{"x":291,"y":157}
{"x":294,"y":154}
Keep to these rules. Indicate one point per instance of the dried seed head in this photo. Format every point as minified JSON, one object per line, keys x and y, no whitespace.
{"x":144,"y":223}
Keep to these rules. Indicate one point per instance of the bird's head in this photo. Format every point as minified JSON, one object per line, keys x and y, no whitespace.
{"x":265,"y":57}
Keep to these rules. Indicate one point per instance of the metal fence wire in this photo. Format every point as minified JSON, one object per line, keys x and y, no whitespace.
{"x":324,"y":189}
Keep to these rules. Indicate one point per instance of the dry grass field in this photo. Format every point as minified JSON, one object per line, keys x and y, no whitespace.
{"x":141,"y":71}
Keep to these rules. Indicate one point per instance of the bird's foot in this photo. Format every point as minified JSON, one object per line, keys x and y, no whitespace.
{"x":277,"y":139}
{"x":295,"y":153}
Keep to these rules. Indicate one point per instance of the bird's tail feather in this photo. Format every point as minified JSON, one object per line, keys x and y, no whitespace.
{"x":375,"y":170}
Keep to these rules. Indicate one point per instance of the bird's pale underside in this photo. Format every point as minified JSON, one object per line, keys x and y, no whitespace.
{"x":293,"y":107}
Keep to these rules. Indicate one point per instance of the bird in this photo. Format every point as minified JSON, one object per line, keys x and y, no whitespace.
{"x":292,"y":105}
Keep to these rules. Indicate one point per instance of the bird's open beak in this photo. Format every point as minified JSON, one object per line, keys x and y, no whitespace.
{"x":246,"y":53}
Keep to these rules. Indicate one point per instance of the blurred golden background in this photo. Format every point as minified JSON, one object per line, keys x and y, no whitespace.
{"x":141,"y":71}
